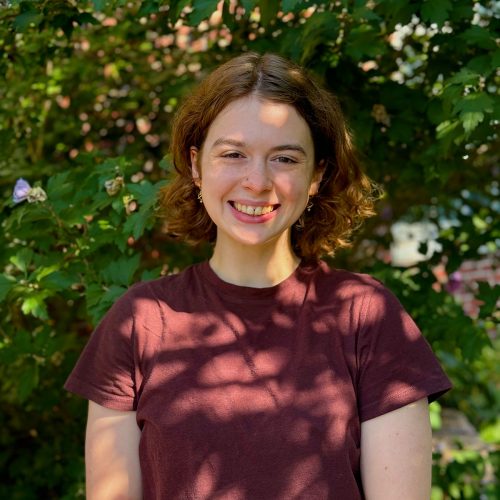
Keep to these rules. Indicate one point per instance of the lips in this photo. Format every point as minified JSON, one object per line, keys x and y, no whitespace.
{"x":253,"y":210}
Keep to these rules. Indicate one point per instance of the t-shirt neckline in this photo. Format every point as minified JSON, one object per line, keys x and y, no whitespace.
{"x":238,"y":293}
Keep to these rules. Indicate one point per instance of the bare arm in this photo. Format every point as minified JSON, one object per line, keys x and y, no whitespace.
{"x":396,"y":454}
{"x":112,"y":455}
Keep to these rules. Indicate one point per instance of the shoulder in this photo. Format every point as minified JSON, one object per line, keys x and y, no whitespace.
{"x":147,"y":306}
{"x":376,"y":309}
{"x":169,"y":289}
{"x":347,"y":283}
{"x":146,"y":298}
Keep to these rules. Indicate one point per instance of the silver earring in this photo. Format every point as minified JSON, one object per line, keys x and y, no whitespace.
{"x":200,"y":197}
{"x":309,"y":206}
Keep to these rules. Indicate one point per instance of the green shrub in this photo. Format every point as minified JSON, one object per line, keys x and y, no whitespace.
{"x":85,"y":110}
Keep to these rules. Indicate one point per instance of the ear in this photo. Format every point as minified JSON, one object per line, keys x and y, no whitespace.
{"x":316,"y":178}
{"x":193,"y":152}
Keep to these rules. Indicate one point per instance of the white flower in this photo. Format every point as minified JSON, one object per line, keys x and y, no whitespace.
{"x":113,"y":186}
{"x":23,"y":191}
{"x":36,"y":194}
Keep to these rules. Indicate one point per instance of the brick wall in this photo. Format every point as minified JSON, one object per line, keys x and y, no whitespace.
{"x":463,"y":282}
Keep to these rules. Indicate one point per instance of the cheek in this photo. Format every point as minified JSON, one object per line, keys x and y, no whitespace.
{"x":222,"y":175}
{"x":294,"y":187}
{"x":218,"y":182}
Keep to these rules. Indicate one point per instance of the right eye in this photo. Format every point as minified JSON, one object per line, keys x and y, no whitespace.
{"x":232,"y":154}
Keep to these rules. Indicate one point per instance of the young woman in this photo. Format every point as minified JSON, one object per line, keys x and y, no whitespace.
{"x":262,"y":373}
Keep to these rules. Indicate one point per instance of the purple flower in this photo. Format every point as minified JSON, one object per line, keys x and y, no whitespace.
{"x":455,"y":281}
{"x":21,"y":191}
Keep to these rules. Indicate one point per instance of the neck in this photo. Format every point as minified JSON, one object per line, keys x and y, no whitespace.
{"x":257,"y":267}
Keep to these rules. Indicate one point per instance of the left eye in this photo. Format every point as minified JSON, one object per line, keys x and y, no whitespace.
{"x":285,"y":159}
{"x":233,"y":154}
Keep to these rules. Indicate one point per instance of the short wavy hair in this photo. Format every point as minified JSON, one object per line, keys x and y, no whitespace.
{"x":346,"y":195}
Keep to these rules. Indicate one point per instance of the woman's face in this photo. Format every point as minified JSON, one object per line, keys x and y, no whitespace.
{"x":256,"y":171}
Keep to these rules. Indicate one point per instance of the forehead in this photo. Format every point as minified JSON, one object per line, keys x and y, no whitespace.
{"x":253,"y":118}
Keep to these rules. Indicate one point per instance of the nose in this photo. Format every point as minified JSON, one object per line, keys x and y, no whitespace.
{"x":257,"y":176}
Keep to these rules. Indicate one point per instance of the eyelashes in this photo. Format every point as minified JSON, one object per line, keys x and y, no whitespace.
{"x":286,"y":159}
{"x":234,"y":155}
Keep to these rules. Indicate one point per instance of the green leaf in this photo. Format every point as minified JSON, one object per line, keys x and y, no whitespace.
{"x":435,"y":415}
{"x":28,"y":380}
{"x":479,"y":223}
{"x":470,"y":120}
{"x":449,"y":133}
{"x":86,"y":18}
{"x":482,"y":64}
{"x":394,"y":12}
{"x":23,"y":21}
{"x":99,"y":4}
{"x":472,"y":342}
{"x":151,"y":274}
{"x":489,"y":296}
{"x":248,"y":5}
{"x":290,"y":5}
{"x":437,"y":493}
{"x":478,"y":101}
{"x":121,"y":271}
{"x":491,"y":432}
{"x":477,"y":35}
{"x":495,"y":59}
{"x":144,"y":193}
{"x":203,"y":9}
{"x":44,"y":271}
{"x":435,"y":111}
{"x":463,"y":77}
{"x":22,"y":343}
{"x":22,"y":259}
{"x":322,"y":27}
{"x":148,"y":7}
{"x":136,"y":223}
{"x":59,"y":186}
{"x":100,"y":299}
{"x":166,"y":163}
{"x":176,"y":7}
{"x":436,"y":11}
{"x":364,"y":41}
{"x":363,"y":14}
{"x":5,"y":285}
{"x":445,"y":128}
{"x":268,"y":11}
{"x":34,"y":304}
{"x":59,"y":281}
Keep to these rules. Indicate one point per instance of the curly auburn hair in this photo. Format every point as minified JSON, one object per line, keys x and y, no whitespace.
{"x":346,"y":195}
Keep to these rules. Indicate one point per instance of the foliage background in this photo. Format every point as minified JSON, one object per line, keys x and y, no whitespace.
{"x":87,"y":95}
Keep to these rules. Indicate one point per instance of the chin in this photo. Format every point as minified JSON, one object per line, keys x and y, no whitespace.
{"x":256,"y":239}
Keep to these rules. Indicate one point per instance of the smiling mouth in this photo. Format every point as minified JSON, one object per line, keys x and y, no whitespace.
{"x":249,"y":210}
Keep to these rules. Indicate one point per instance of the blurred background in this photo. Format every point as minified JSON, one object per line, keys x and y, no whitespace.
{"x":88,"y":90}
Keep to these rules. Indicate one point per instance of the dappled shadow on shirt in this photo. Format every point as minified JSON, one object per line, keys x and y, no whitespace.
{"x":258,"y":395}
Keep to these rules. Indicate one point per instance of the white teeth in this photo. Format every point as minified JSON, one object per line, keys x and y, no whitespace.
{"x":247,"y":209}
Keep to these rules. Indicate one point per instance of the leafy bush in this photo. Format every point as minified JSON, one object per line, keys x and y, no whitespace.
{"x":85,"y":109}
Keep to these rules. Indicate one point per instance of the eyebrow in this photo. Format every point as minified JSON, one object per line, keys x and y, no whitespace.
{"x":239,"y":144}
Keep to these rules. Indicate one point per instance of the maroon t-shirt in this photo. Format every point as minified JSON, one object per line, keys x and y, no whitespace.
{"x":256,"y":393}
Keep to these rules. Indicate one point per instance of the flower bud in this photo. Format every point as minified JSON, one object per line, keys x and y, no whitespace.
{"x":36,"y":194}
{"x":113,"y":186}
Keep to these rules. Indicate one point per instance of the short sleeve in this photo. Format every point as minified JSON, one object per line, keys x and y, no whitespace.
{"x":396,"y":364}
{"x":105,"y":372}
